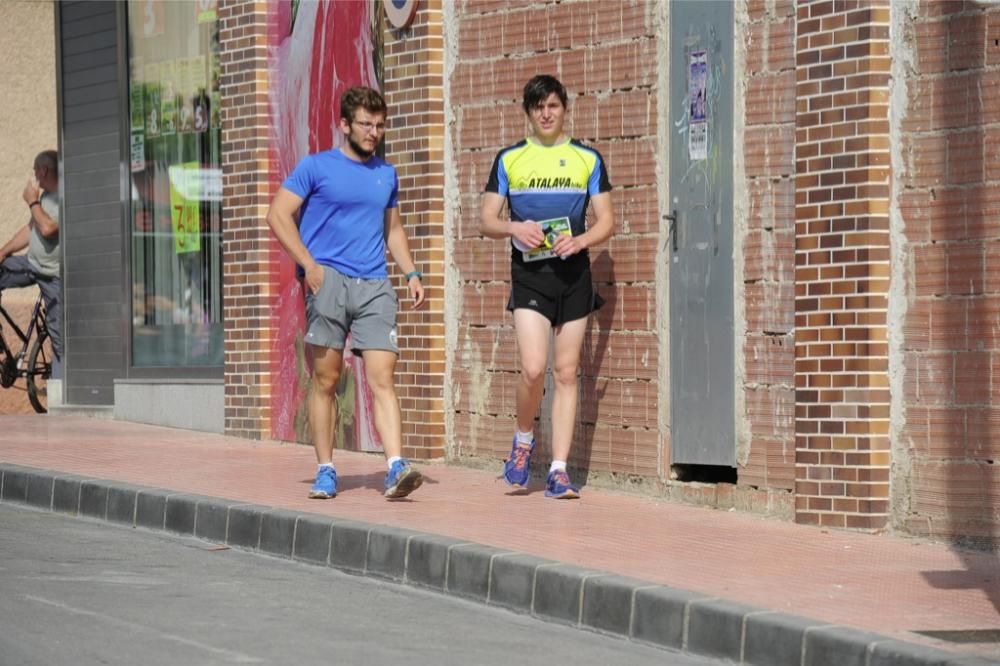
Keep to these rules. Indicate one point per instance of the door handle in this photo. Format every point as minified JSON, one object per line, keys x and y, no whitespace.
{"x":672,"y":232}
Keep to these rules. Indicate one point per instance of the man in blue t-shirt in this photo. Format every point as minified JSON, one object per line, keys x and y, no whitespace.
{"x":348,"y":214}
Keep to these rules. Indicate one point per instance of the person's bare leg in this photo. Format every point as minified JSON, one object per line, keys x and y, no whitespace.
{"x":380,"y":365}
{"x":532,"y":331}
{"x":322,"y":397}
{"x":565,"y":364}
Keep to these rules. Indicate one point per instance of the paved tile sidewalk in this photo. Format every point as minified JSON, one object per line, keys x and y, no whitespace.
{"x":888,"y":585}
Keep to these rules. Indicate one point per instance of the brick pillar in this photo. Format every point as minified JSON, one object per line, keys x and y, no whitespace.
{"x":414,"y":91}
{"x":842,"y":264}
{"x":246,"y":244}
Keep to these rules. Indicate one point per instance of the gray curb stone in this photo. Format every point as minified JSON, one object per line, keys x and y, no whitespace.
{"x":277,"y":532}
{"x":15,"y":485}
{"x":349,"y":545}
{"x":427,"y":559}
{"x":151,"y":509}
{"x":775,"y":639}
{"x":94,"y":499}
{"x":180,"y":513}
{"x":898,"y":653}
{"x":66,"y":494}
{"x":607,"y":603}
{"x":469,"y":570}
{"x":599,"y":601}
{"x":715,"y":628}
{"x":122,"y":501}
{"x":40,"y":491}
{"x":312,"y":539}
{"x":835,"y":645}
{"x":660,"y":615}
{"x":559,"y":591}
{"x":211,"y":519}
{"x":512,"y":580}
{"x":387,"y":552}
{"x":243,"y":530}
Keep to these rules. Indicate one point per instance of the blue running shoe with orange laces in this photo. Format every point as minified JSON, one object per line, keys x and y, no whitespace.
{"x":401,"y":480}
{"x":326,"y":484}
{"x":558,"y":486}
{"x":517,"y":468}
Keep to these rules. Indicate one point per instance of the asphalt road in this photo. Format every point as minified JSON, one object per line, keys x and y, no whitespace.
{"x":78,"y":592}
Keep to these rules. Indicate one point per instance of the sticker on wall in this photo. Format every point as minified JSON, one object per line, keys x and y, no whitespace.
{"x":137,"y":152}
{"x":185,"y":206}
{"x":168,"y":97}
{"x":205,"y":10}
{"x":137,"y":122}
{"x":152,"y":88}
{"x":697,"y":113}
{"x":400,"y":12}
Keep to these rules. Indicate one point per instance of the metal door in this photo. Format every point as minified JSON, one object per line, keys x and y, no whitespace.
{"x":702,"y":376}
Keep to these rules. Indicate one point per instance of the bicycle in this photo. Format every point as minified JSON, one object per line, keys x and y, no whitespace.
{"x":35,"y":365}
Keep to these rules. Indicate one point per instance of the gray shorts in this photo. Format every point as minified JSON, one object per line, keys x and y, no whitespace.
{"x":365,"y":308}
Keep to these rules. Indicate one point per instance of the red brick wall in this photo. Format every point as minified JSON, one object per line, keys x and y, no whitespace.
{"x":606,"y":55}
{"x":246,"y":239}
{"x":769,"y":245}
{"x":949,"y":205}
{"x":842,"y":263}
{"x":414,"y":90}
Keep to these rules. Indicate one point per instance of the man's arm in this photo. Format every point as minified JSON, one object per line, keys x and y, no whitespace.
{"x":47,"y":227}
{"x":281,"y":218}
{"x":598,"y":232}
{"x":17,"y":242}
{"x":492,"y":226}
{"x":399,"y":248}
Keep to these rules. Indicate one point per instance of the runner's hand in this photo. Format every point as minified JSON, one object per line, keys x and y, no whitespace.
{"x":314,"y":277}
{"x":416,"y":292}
{"x":567,"y":246}
{"x":528,"y":233}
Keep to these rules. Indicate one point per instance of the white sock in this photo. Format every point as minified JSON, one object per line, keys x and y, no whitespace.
{"x":557,"y":465}
{"x":525,"y":437}
{"x":391,"y":460}
{"x":329,"y":464}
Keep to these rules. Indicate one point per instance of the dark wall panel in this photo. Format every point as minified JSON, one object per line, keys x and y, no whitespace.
{"x":93,"y":272}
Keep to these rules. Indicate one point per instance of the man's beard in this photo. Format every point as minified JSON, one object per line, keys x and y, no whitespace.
{"x":360,"y":151}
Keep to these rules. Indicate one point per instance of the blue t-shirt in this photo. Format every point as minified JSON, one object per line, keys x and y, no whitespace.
{"x":342,"y":218}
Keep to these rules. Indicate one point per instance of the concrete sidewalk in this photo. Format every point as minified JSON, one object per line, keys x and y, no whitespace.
{"x":710,"y":582}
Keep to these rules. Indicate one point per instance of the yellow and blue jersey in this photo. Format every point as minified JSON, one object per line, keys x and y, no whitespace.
{"x":545,"y":182}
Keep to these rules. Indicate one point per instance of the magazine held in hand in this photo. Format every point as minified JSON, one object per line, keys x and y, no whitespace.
{"x":552,"y":229}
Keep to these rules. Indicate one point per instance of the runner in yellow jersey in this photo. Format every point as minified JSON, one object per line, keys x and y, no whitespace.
{"x":547,"y":181}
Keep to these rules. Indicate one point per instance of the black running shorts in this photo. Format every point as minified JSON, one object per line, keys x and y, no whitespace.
{"x":560,"y":293}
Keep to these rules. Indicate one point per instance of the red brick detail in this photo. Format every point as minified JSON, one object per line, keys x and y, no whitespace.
{"x":414,"y":91}
{"x":842,"y":265}
{"x":246,"y":241}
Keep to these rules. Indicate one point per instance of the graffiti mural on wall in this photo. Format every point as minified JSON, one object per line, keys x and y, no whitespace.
{"x":318,"y":49}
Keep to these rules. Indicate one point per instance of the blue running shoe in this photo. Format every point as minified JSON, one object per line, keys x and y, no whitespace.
{"x":401,"y":480}
{"x":326,"y":484}
{"x":517,"y":468}
{"x":558,"y":486}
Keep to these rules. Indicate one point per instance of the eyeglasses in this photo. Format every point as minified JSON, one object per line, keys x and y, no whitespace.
{"x":368,"y":127}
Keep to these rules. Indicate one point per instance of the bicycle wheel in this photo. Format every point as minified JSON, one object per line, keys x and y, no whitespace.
{"x":39,"y":371}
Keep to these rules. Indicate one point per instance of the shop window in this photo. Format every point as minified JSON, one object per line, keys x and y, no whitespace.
{"x":176,"y":183}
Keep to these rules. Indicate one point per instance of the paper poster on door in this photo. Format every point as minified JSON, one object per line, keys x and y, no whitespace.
{"x":697,"y":114}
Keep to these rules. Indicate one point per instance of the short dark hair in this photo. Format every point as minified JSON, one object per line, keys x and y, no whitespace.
{"x":48,"y":159}
{"x":538,"y":89}
{"x":361,"y":97}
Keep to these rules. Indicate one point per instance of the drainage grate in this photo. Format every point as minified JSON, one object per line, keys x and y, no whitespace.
{"x":964,"y":635}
